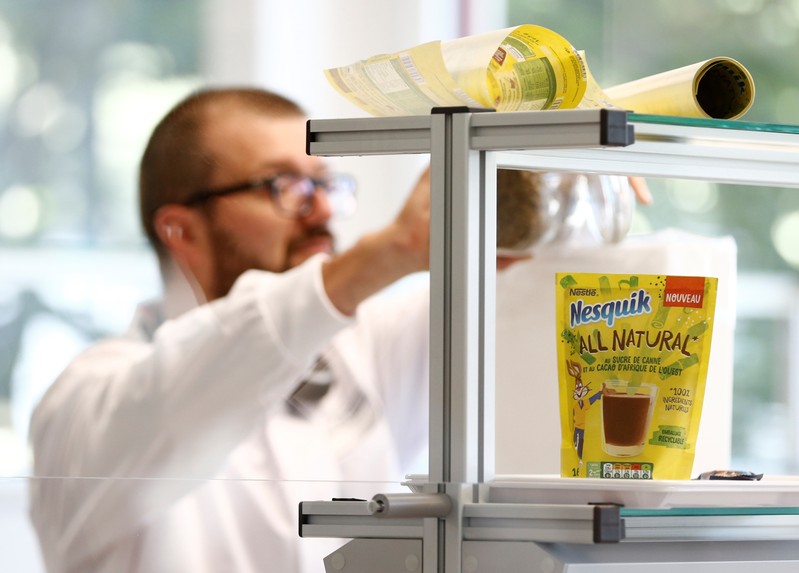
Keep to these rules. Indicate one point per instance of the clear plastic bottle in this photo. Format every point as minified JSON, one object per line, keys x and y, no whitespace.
{"x":535,"y":209}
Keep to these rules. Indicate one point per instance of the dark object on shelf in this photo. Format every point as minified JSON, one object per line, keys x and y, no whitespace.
{"x":730,"y":475}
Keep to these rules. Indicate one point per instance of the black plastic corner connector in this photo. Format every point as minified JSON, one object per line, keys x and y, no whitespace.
{"x":608,"y":524}
{"x":300,"y":518}
{"x":614,"y":129}
{"x":459,"y":109}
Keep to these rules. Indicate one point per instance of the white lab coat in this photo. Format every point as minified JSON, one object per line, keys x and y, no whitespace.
{"x":173,"y":449}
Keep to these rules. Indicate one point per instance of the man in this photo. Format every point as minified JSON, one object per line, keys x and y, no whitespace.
{"x":186,"y":444}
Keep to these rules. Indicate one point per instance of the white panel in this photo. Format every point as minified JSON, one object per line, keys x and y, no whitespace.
{"x":528,"y":417}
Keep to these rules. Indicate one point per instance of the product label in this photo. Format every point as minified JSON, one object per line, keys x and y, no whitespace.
{"x":633,"y":353}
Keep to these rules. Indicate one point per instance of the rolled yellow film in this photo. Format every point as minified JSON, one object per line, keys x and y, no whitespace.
{"x":526,"y":68}
{"x":535,"y":68}
{"x":520,"y":68}
{"x":718,"y":88}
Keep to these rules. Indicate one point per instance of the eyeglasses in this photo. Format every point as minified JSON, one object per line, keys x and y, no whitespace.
{"x":293,"y":194}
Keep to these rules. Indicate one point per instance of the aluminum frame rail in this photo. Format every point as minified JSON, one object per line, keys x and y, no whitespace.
{"x":544,"y":523}
{"x":487,"y":131}
{"x":560,"y":538}
{"x":725,"y":155}
{"x":463,"y":273}
{"x":466,"y":147}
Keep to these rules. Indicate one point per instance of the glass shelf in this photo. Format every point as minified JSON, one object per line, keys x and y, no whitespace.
{"x":714,"y":123}
{"x":691,"y":511}
{"x":671,"y":147}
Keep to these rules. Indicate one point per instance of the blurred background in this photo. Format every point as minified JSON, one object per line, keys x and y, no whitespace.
{"x":82,"y":83}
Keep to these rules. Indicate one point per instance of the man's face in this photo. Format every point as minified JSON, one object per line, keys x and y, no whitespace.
{"x":247,"y":229}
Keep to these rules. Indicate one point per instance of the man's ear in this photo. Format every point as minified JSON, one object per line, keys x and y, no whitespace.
{"x":180,"y":230}
{"x":184,"y":233}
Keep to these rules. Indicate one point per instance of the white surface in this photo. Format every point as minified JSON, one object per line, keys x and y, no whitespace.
{"x":655,"y":494}
{"x":528,"y":429}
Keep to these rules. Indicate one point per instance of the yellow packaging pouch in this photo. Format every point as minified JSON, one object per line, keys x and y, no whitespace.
{"x":632,"y":364}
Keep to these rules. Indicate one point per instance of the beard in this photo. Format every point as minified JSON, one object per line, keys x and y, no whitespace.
{"x":297,"y":251}
{"x":232,"y":259}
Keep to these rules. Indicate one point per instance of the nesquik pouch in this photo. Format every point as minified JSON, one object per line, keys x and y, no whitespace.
{"x":633,"y":354}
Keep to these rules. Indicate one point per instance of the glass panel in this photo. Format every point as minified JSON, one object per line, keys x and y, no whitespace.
{"x":626,"y":41}
{"x":633,"y":512}
{"x":17,"y":536}
{"x":760,"y":221}
{"x":715,"y":123}
{"x":622,"y":45}
{"x":75,"y":112}
{"x":219,"y":525}
{"x":82,"y":84}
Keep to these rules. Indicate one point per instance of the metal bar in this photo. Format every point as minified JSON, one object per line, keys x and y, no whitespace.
{"x":464,"y":296}
{"x":410,"y":505}
{"x":368,"y":136}
{"x":551,"y":129}
{"x":488,"y":131}
{"x":440,"y":334}
{"x":487,"y":343}
{"x":543,"y":523}
{"x":439,"y":306}
{"x":712,"y":527}
{"x":722,"y":155}
{"x":354,"y":519}
{"x":652,"y":557}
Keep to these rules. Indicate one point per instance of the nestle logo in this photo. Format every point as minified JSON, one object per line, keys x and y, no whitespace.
{"x":582,"y":292}
{"x":499,"y":56}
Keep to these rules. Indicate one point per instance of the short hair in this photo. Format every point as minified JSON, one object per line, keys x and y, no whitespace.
{"x":175,"y":163}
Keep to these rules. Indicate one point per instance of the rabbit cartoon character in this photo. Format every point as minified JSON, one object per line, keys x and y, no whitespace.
{"x":581,"y":406}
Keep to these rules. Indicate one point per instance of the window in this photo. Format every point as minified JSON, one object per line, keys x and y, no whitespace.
{"x":82,"y":85}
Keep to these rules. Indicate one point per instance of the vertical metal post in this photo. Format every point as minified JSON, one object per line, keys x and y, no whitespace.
{"x":463,"y":276}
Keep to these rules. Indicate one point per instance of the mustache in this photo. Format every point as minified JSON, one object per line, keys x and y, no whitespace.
{"x":310,"y":234}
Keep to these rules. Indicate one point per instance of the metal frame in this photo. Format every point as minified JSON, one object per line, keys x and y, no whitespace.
{"x":683,"y":152}
{"x":466,"y":148}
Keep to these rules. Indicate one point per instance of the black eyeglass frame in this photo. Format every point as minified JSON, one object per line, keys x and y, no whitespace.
{"x":327,"y":183}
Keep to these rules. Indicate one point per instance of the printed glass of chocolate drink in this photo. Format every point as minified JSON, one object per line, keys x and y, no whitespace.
{"x":626,"y":414}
